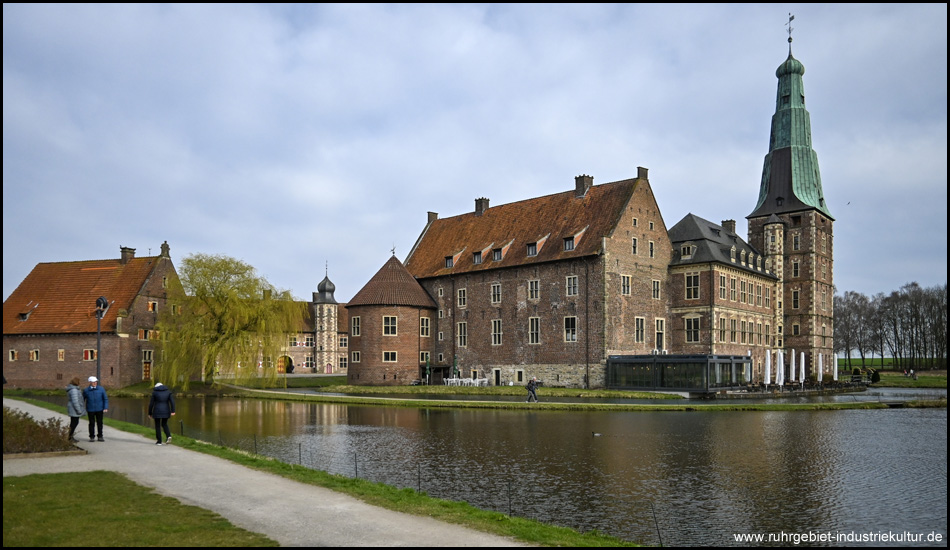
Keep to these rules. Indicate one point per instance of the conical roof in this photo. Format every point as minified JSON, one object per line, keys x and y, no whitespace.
{"x":392,"y":285}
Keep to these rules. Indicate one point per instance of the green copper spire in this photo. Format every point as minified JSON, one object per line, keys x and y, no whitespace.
{"x":790,"y":178}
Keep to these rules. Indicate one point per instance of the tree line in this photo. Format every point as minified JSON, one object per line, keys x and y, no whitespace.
{"x":909,"y":325}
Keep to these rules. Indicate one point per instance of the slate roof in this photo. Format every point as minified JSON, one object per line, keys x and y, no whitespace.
{"x":60,"y":297}
{"x":546,"y":220}
{"x":392,"y":285}
{"x":713,"y":243}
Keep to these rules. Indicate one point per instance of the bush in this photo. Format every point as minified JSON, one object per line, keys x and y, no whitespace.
{"x":23,"y":434}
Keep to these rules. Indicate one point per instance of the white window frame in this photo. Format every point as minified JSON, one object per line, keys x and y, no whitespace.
{"x":571,"y":285}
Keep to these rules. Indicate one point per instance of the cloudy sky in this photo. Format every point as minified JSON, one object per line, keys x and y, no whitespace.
{"x":300,"y":137}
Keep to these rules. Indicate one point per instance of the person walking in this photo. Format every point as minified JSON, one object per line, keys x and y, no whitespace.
{"x":75,"y":406}
{"x":161,"y":407}
{"x":532,"y":390}
{"x":97,"y":404}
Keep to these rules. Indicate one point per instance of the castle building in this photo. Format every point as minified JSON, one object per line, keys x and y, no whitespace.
{"x":50,"y":321}
{"x":561,"y":285}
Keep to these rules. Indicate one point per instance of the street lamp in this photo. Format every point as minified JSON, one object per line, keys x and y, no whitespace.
{"x":101,"y":306}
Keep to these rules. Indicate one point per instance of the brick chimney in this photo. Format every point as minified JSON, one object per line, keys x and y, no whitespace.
{"x":432,"y":217}
{"x":127,"y":254}
{"x":481,"y":205}
{"x":729,"y":225}
{"x":582,"y":184}
{"x":642,"y":173}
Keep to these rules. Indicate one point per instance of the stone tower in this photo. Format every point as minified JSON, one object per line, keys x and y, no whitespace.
{"x":326,"y":350}
{"x":791,"y":223}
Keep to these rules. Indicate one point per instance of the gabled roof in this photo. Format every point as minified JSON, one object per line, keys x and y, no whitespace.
{"x":711,"y":243}
{"x":60,"y":297}
{"x":543,"y":221}
{"x":392,"y":285}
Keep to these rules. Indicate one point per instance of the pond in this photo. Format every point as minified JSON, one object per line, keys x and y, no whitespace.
{"x":676,"y":478}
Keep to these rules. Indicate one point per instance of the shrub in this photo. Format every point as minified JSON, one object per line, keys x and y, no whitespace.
{"x":23,"y":434}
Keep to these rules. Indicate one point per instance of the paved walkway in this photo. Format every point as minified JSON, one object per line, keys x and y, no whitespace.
{"x":292,"y":513}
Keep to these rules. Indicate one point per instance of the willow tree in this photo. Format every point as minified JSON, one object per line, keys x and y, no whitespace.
{"x":225,"y":321}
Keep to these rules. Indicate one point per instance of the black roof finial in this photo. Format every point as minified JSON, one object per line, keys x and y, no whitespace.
{"x":790,"y":29}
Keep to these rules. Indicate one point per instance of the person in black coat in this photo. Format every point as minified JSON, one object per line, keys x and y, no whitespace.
{"x":161,"y":407}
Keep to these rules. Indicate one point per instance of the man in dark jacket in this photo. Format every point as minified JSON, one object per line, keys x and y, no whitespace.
{"x":161,"y":407}
{"x":97,"y":404}
{"x":532,"y":390}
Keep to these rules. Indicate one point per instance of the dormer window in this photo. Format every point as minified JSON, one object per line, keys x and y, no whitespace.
{"x":449,"y":262}
{"x":686,"y":251}
{"x":569,"y":243}
{"x":532,"y":249}
{"x":743,"y":257}
{"x":732,"y":254}
{"x":477,"y":258}
{"x":496,"y":254}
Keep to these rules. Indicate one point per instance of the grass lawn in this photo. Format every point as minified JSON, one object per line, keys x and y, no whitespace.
{"x":107,"y":509}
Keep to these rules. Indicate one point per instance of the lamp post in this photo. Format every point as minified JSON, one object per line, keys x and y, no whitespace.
{"x":101,"y":306}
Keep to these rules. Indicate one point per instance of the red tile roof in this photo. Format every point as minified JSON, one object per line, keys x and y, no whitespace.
{"x":392,"y":285}
{"x":546,"y":221}
{"x":60,"y":297}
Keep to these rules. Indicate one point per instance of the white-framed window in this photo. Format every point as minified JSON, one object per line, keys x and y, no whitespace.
{"x":496,"y":332}
{"x":496,"y":293}
{"x":462,"y":334}
{"x":441,"y":335}
{"x":692,"y":286}
{"x":795,"y":303}
{"x":293,"y":341}
{"x":742,"y":332}
{"x":625,"y":285}
{"x":733,"y":330}
{"x":152,"y":305}
{"x":692,"y":330}
{"x":61,"y":355}
{"x":462,"y":297}
{"x":796,"y":269}
{"x":686,"y":251}
{"x":423,"y":357}
{"x":656,"y":290}
{"x":389,"y":357}
{"x":732,"y":289}
{"x":639,"y":331}
{"x":796,"y":242}
{"x":768,"y":297}
{"x":722,"y":330}
{"x":389,"y":325}
{"x":440,"y":292}
{"x":570,"y":329}
{"x":634,"y":222}
{"x":742,"y":292}
{"x":87,"y":355}
{"x":660,"y":332}
{"x":34,"y":355}
{"x":534,"y":289}
{"x":568,"y":243}
{"x":758,"y":331}
{"x":342,"y":362}
{"x":424,"y":327}
{"x":355,"y":328}
{"x":441,"y":314}
{"x":651,"y":226}
{"x":572,"y":285}
{"x":824,"y":300}
{"x":534,"y":330}
{"x":532,"y":249}
{"x":355,"y":356}
{"x":758,"y":295}
{"x":344,"y":341}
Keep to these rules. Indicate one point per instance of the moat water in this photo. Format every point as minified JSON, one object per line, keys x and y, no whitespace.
{"x":676,"y":478}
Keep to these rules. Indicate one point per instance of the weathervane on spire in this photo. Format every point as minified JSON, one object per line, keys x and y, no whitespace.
{"x":327,"y":268}
{"x":790,"y":29}
{"x":393,"y":250}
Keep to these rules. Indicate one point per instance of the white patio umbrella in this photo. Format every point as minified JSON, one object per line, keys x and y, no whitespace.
{"x":803,"y":369}
{"x":768,"y":368}
{"x":791,"y":370}
{"x":834,"y":369}
{"x":779,"y":376}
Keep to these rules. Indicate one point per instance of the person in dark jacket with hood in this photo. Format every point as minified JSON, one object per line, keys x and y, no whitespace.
{"x":97,"y":404}
{"x":161,"y":407}
{"x":75,"y":406}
